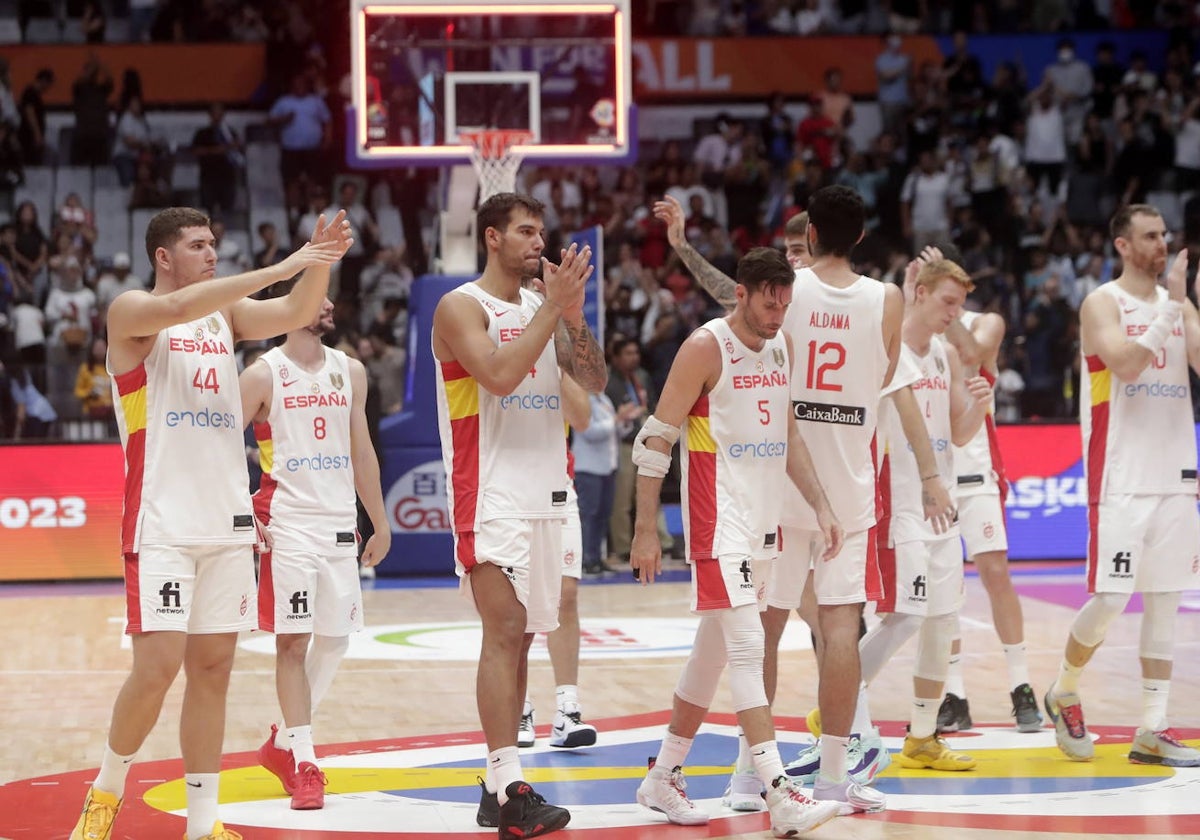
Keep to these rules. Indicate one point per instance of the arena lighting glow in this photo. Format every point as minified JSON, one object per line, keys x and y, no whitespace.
{"x":457,"y":152}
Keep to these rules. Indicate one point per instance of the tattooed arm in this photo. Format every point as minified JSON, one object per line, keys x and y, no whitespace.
{"x":580,"y":355}
{"x":711,"y":279}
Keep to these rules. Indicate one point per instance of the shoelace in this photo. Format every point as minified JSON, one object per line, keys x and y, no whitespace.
{"x":796,"y":795}
{"x":99,"y":818}
{"x":1073,"y":717}
{"x":575,"y":717}
{"x":678,"y":783}
{"x":1171,"y":738}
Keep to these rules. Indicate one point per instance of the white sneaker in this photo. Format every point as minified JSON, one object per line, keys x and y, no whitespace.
{"x":867,"y":757}
{"x":794,"y":813}
{"x":663,"y":790}
{"x":525,"y":734}
{"x":806,"y":766}
{"x":744,"y":792}
{"x":570,"y":730}
{"x":853,"y":797}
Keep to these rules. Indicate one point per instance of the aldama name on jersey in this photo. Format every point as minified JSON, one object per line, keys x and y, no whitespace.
{"x":315,"y":401}
{"x":205,"y":347}
{"x":774,"y":379}
{"x":829,"y":320}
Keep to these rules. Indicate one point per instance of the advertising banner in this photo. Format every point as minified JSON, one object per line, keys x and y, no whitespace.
{"x":60,"y":511}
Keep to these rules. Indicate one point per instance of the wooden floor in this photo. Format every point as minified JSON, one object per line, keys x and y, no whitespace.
{"x":62,"y":662}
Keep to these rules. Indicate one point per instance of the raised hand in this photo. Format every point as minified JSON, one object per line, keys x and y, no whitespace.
{"x":309,"y":254}
{"x":670,"y":211}
{"x":566,"y":282}
{"x":337,"y":231}
{"x":1177,"y":277}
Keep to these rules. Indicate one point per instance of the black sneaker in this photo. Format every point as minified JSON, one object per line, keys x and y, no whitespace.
{"x":1025,"y":709}
{"x":526,"y":814}
{"x":954,"y":715}
{"x":488,"y":814}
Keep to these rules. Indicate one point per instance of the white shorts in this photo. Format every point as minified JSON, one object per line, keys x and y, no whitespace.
{"x":1144,"y":544}
{"x":735,"y":580}
{"x":529,"y":551}
{"x":572,"y":546}
{"x":302,"y":592}
{"x":922,"y":577}
{"x":981,"y":523}
{"x":190,"y":589}
{"x":851,"y":577}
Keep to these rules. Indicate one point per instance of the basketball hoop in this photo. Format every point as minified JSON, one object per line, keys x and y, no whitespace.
{"x":495,"y":159}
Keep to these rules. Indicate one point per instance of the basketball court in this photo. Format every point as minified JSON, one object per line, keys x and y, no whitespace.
{"x":398,"y":734}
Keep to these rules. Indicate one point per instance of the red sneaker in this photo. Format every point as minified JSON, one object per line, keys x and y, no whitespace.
{"x":309,"y":794}
{"x":278,"y":761}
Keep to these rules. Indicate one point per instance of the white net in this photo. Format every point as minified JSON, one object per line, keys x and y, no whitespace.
{"x":495,"y":160}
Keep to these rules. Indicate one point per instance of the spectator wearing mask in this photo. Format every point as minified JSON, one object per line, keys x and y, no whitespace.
{"x":1072,"y":80}
{"x":1045,"y":139}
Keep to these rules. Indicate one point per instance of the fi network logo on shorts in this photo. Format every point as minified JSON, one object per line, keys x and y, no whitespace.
{"x":1121,"y":564}
{"x":299,"y":602}
{"x":170,"y":599}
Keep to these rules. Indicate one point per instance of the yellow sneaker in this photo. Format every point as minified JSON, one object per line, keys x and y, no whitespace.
{"x":813,"y":720}
{"x":932,"y":753}
{"x":219,"y":832}
{"x":99,"y":813}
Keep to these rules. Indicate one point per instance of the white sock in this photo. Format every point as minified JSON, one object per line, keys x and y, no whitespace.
{"x":301,"y":740}
{"x":325,"y":654}
{"x":567,"y":697}
{"x":1155,"y":694}
{"x":1068,"y":679}
{"x":113,"y":771}
{"x":954,"y":677}
{"x":744,"y":763}
{"x":767,"y":763}
{"x":504,"y":768}
{"x":527,"y":709}
{"x":1018,"y":667}
{"x":862,"y":713}
{"x":924,"y":716}
{"x":282,"y":741}
{"x":201,"y":803}
{"x":833,"y":757}
{"x":672,"y":752}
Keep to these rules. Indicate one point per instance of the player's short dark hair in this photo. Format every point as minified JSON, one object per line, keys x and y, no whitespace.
{"x":496,"y":212}
{"x":838,"y":214}
{"x":1121,"y":220}
{"x":762,"y":268}
{"x":167,"y":226}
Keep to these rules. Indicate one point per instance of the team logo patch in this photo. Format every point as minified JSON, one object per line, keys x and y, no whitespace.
{"x":336,"y":380}
{"x":245,"y":605}
{"x":199,"y":333}
{"x":940,"y":365}
{"x":989,"y":531}
{"x":214,"y":326}
{"x":729,"y":346}
{"x":780,"y":359}
{"x":569,"y":558}
{"x":284,"y":373}
{"x":758,"y":366}
{"x":315,"y":387}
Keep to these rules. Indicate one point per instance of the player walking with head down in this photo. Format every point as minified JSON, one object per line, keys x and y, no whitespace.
{"x":308,"y":405}
{"x":189,"y":564}
{"x":499,"y":411}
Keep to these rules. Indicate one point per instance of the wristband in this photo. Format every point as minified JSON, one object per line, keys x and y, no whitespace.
{"x":1156,"y":335}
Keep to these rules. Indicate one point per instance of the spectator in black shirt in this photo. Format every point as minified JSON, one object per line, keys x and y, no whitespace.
{"x":32,"y":134}
{"x":218,"y":150}
{"x":89,"y":97}
{"x":1106,"y":80}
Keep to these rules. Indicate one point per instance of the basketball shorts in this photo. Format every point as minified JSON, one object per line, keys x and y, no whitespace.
{"x":572,"y":546}
{"x":1144,"y":544}
{"x":303,"y":592}
{"x":981,"y":523}
{"x":850,"y":577}
{"x":529,"y":552}
{"x":922,"y":577}
{"x":190,"y":589}
{"x":735,"y":580}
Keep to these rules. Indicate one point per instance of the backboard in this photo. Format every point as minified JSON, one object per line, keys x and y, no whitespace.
{"x":423,"y":72}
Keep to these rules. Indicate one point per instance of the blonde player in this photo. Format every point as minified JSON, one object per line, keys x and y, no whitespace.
{"x":189,"y":563}
{"x":308,"y":405}
{"x":729,"y":382}
{"x":1139,"y":444}
{"x":499,"y":404}
{"x":922,"y":569}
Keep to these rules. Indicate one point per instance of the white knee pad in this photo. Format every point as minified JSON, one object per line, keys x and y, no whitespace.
{"x":933,"y":647}
{"x":1092,"y":622}
{"x":702,"y":671}
{"x":883,"y":640}
{"x":1158,"y":625}
{"x":744,"y":649}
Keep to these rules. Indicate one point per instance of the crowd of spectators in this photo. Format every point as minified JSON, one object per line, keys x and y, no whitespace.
{"x":1018,"y":174}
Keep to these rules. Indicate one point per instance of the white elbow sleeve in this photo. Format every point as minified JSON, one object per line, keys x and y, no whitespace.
{"x":648,"y":461}
{"x":1156,"y":335}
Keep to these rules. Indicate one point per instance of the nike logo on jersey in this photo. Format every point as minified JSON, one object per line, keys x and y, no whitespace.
{"x":734,"y":361}
{"x":500,"y":312}
{"x":290,"y":382}
{"x":1127,"y":311}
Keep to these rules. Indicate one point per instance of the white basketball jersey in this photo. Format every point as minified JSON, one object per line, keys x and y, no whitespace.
{"x":1139,"y":437}
{"x":837,"y":374}
{"x":902,"y":492}
{"x":978,"y":464}
{"x":504,"y":456}
{"x":734,"y":453}
{"x":307,"y":495}
{"x":180,"y":417}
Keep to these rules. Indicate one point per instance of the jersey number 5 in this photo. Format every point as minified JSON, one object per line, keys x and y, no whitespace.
{"x":833,"y":356}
